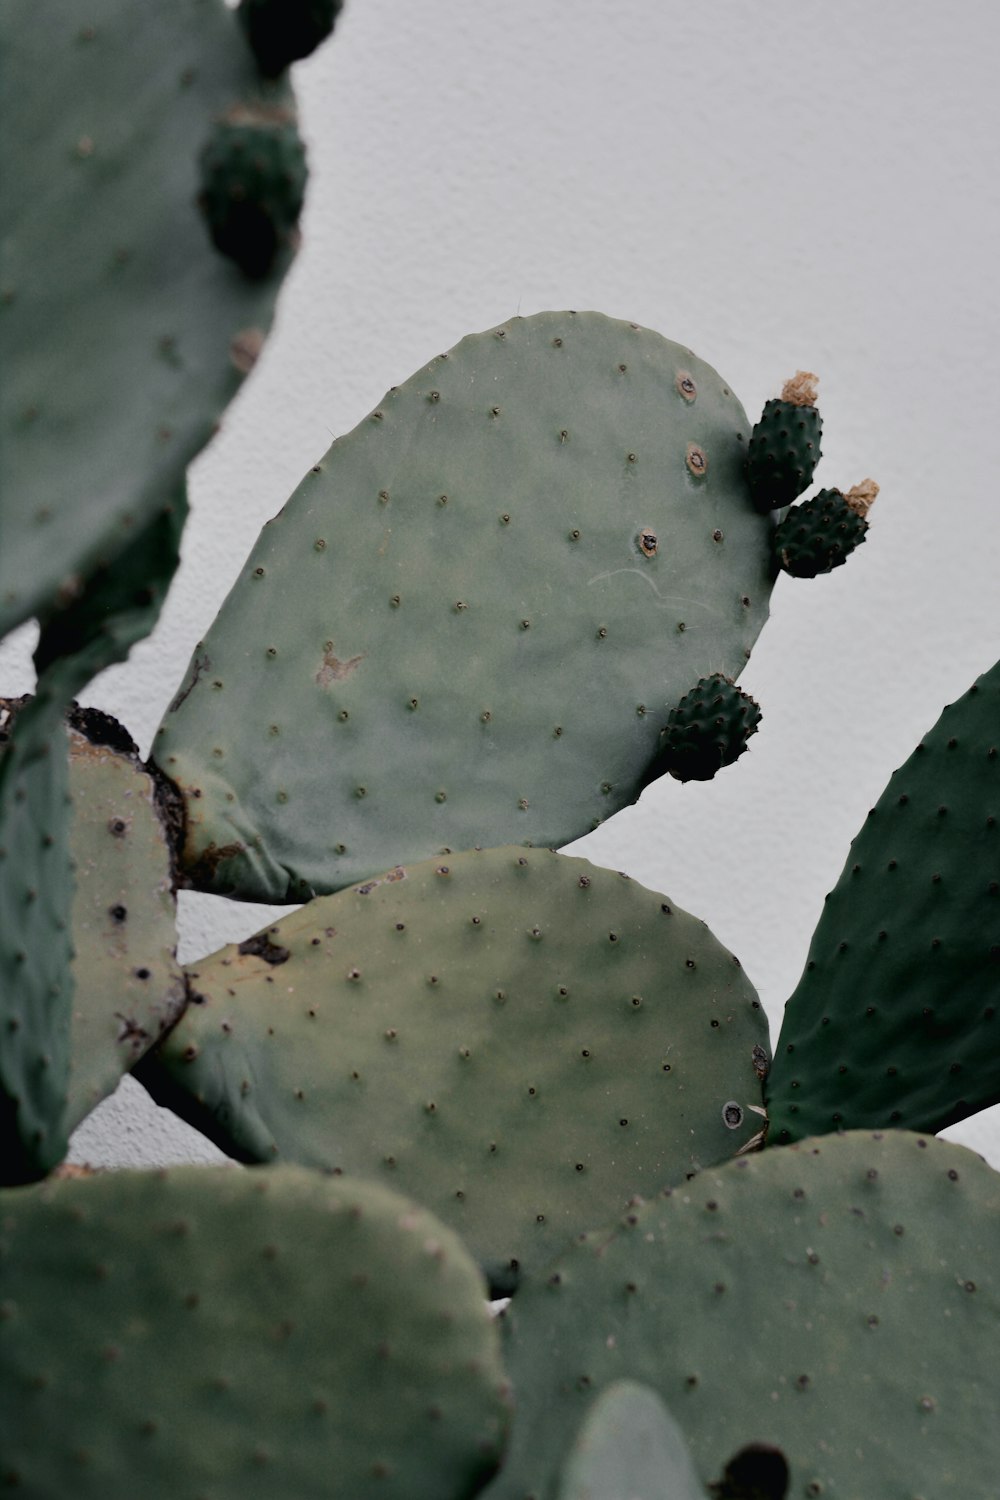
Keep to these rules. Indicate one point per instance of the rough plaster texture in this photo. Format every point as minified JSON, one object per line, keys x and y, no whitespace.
{"x":814,"y":187}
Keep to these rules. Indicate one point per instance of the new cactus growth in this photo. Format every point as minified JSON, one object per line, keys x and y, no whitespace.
{"x":521,"y":589}
{"x":775,"y":1300}
{"x":244,"y":1335}
{"x":710,"y":728}
{"x":821,"y":533}
{"x":784,"y":446}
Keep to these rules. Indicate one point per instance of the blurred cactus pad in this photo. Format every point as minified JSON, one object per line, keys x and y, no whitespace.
{"x":470,"y":621}
{"x":123,"y":332}
{"x":241,"y":1335}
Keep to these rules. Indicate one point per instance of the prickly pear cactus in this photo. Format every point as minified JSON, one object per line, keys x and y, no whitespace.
{"x":282,"y":31}
{"x":896,"y":1019}
{"x":244,"y":1335}
{"x":517,"y":1039}
{"x":123,"y":333}
{"x":838,"y":1301}
{"x":128,"y":986}
{"x":784,"y":446}
{"x":468,"y":624}
{"x":253,"y":183}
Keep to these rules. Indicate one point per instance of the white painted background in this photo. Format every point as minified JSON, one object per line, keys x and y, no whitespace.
{"x":780,"y":186}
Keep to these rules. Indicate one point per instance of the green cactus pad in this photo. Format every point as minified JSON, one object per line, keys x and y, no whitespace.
{"x":36,"y":889}
{"x":818,"y":535}
{"x":90,"y":974}
{"x":710,"y":728}
{"x":282,"y":31}
{"x":128,"y":986}
{"x":467,"y":624}
{"x":241,"y":1335}
{"x":515,"y":1038}
{"x":120,"y":604}
{"x":896,"y":1019}
{"x":838,"y":1300}
{"x":782,"y":454}
{"x":253,"y":183}
{"x":629,"y":1448}
{"x":123,"y":333}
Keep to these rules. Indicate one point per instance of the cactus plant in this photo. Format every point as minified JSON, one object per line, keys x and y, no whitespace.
{"x":242,"y":1334}
{"x":492,"y":582}
{"x":516,"y":593}
{"x":517,"y":1039}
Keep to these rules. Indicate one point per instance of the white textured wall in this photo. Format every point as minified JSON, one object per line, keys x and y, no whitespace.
{"x":777,"y":186}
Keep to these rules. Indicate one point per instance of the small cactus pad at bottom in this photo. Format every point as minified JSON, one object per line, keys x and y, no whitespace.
{"x":837,"y":1300}
{"x":517,"y":1039}
{"x":818,"y":535}
{"x":460,"y":629}
{"x":709,"y":729}
{"x":243,"y":1335}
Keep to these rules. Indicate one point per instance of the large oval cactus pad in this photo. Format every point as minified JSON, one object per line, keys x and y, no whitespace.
{"x":241,"y":1335}
{"x":896,"y":1019}
{"x":515,"y":1038}
{"x":468,"y":624}
{"x":838,"y":1300}
{"x":123,"y":333}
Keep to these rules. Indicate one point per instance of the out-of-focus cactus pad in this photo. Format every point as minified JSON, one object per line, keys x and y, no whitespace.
{"x":253,"y":183}
{"x":123,"y":333}
{"x":205,"y":1331}
{"x":516,"y":1038}
{"x":466,"y":626}
{"x":838,"y":1300}
{"x":896,"y":1019}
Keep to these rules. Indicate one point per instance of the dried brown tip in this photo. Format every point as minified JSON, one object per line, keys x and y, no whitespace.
{"x":801,"y":389}
{"x":73,"y":1169}
{"x":862,"y":497}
